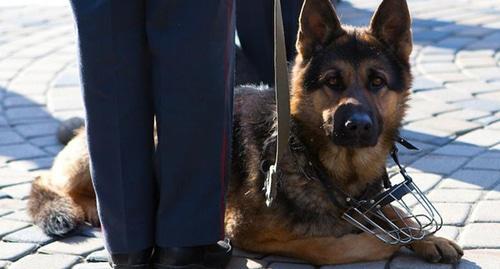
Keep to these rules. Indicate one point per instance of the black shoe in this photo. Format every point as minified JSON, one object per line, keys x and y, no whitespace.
{"x":215,"y":256}
{"x":135,"y":260}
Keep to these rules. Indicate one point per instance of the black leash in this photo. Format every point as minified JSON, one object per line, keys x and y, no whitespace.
{"x":282,"y":92}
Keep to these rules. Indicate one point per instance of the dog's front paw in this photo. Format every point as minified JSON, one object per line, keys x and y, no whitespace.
{"x":438,"y":249}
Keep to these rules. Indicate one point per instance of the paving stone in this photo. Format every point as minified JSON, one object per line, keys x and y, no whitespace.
{"x":482,"y":137}
{"x":67,"y":78}
{"x":433,"y":50}
{"x":98,"y":256}
{"x":446,"y":125}
{"x":429,"y":136}
{"x":494,"y":126}
{"x":239,"y":262}
{"x":449,"y":232}
{"x":487,"y":160}
{"x":492,"y":96}
{"x":43,"y":141}
{"x":465,"y":114}
{"x":429,"y":58}
{"x":444,"y":95}
{"x":424,"y":181}
{"x":75,"y":245}
{"x":101,"y":265}
{"x":289,"y":266}
{"x":431,"y":107}
{"x":484,"y":73}
{"x":88,"y":231}
{"x":494,"y":194}
{"x":438,"y":67}
{"x":18,"y":121}
{"x":454,"y":195}
{"x":453,"y":213}
{"x":475,"y":31}
{"x":18,"y":215}
{"x":480,"y":258}
{"x":471,"y":179}
{"x":413,"y":262}
{"x":28,"y":87}
{"x":20,"y":191}
{"x":405,"y":160}
{"x":10,"y":137}
{"x":4,"y":195}
{"x":45,"y":261}
{"x":32,"y":234}
{"x":68,"y":114}
{"x":456,"y":42}
{"x":422,"y":83}
{"x":361,"y":265}
{"x":430,"y":36}
{"x":12,"y":204}
{"x":476,"y":62}
{"x":479,"y":104}
{"x":13,"y":251}
{"x":22,"y":101}
{"x":3,"y":121}
{"x":458,"y":149}
{"x":474,"y":87}
{"x":487,"y":120}
{"x":448,"y":77}
{"x":12,"y":177}
{"x":58,"y":103}
{"x":4,"y":264}
{"x":33,"y":164}
{"x":20,"y":151}
{"x":485,"y":212}
{"x":26,"y":113}
{"x":55,"y":149}
{"x":480,"y":235}
{"x":440,"y":164}
{"x":38,"y":129}
{"x":9,"y":226}
{"x":4,"y":212}
{"x":415,"y":116}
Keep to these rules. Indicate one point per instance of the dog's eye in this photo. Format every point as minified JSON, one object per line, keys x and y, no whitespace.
{"x":334,"y":82}
{"x":377,"y":83}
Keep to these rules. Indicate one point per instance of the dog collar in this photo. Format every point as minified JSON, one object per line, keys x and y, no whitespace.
{"x":411,"y":215}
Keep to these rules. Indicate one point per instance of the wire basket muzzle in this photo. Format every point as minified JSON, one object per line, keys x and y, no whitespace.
{"x":400,"y":215}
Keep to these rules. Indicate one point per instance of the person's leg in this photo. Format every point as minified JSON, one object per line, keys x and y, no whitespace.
{"x":119,"y":112}
{"x":192,"y":45}
{"x":255,"y":20}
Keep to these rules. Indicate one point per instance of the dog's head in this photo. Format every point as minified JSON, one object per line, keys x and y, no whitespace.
{"x":350,"y":85}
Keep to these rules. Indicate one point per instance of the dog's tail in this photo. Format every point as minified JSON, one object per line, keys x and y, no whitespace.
{"x":69,"y":129}
{"x":53,"y":213}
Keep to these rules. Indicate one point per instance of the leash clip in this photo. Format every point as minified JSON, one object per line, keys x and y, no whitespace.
{"x":270,"y":184}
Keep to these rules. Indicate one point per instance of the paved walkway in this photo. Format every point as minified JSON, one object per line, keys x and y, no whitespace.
{"x":454,"y":118}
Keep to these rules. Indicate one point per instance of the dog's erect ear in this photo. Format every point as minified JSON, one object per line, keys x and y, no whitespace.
{"x":391,"y":24}
{"x":318,"y":25}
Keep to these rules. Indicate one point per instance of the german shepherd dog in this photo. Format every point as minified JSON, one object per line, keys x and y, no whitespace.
{"x":349,"y":92}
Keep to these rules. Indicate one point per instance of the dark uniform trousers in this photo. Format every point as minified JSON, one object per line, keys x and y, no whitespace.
{"x":173,"y":60}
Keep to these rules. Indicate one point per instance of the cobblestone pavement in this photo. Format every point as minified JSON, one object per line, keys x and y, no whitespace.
{"x":454,"y":118}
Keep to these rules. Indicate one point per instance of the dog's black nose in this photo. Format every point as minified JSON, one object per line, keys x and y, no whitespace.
{"x":358,"y":125}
